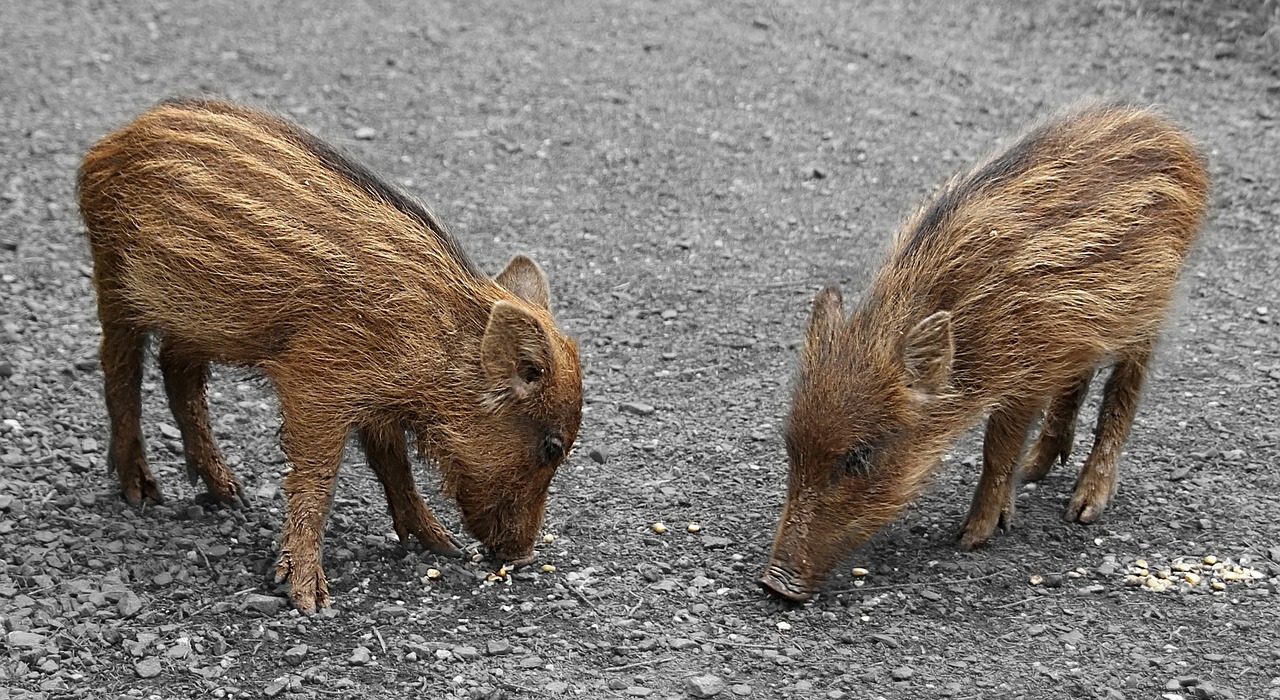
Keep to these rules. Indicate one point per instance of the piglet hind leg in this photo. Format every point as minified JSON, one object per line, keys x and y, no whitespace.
{"x":1097,"y":483}
{"x":313,"y":442}
{"x":1058,"y":431}
{"x":185,"y":380}
{"x":384,"y":445}
{"x":993,"y":501}
{"x":121,"y":356}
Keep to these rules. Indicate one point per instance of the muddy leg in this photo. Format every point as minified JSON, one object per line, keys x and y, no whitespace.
{"x":1058,"y":432}
{"x":1097,"y":482}
{"x":313,"y":442}
{"x":993,"y":501}
{"x":121,"y":356}
{"x":184,"y":382}
{"x":385,"y":447}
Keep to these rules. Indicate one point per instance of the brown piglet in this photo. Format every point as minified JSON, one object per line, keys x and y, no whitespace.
{"x":242,"y":239}
{"x":1001,"y":297}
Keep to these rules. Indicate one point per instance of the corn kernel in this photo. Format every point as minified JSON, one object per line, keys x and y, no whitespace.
{"x":1193,"y":579}
{"x":694,"y":527}
{"x":784,"y":626}
{"x":1218,"y":585}
{"x":433,"y":573}
{"x":859,"y":571}
{"x":1036,"y":579}
{"x":548,"y":538}
{"x":1141,"y":564}
{"x":659,"y":528}
{"x":1210,"y":559}
{"x":548,"y":568}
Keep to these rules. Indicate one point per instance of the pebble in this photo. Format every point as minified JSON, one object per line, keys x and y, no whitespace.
{"x":180,"y":650}
{"x":884,"y":639}
{"x":268,"y":605}
{"x":599,"y":455}
{"x":129,"y":605}
{"x":556,"y":687}
{"x":20,"y":639}
{"x":497,"y":647}
{"x":148,"y":668}
{"x":636,"y":408}
{"x":740,"y":689}
{"x":295,"y":655}
{"x":706,"y":686}
{"x":903,"y":673}
{"x":276,"y":687}
{"x":465,"y":653}
{"x":360,"y":656}
{"x":531,"y":661}
{"x":638,"y":691}
{"x":169,"y":431}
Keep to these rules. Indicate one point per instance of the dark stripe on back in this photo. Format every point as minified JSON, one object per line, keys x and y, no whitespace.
{"x":1007,"y":166}
{"x":353,"y":170}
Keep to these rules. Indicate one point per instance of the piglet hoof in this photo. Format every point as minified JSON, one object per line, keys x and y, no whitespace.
{"x":973,"y":536}
{"x":1085,"y":510}
{"x":449,"y":547}
{"x":145,"y":491}
{"x":308,"y":588}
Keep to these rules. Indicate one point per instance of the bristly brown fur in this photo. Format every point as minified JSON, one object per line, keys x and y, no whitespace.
{"x":1003,"y":293}
{"x":245,"y":240}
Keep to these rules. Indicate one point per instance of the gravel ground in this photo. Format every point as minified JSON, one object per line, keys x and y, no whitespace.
{"x":689,"y":174}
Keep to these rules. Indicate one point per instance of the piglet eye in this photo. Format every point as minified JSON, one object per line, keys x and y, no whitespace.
{"x":855,"y":462}
{"x":529,"y":372}
{"x":552,"y":449}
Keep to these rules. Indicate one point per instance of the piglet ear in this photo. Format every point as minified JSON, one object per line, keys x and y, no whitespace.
{"x":825,"y":322}
{"x":515,"y":351}
{"x":523,"y":278}
{"x":927,"y":354}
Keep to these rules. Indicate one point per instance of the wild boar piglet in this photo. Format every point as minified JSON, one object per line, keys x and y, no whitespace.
{"x":242,"y":239}
{"x":1000,"y":298}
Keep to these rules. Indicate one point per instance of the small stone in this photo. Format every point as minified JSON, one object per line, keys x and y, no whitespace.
{"x":276,"y":687}
{"x":884,"y":639}
{"x":497,"y":647}
{"x":268,"y":605}
{"x":599,"y":455}
{"x":680,"y":643}
{"x":130,"y":604}
{"x":707,"y":686}
{"x":360,"y":656}
{"x":1074,"y":637}
{"x":1053,"y":580}
{"x":556,"y":687}
{"x":295,"y":655}
{"x":25,"y":640}
{"x":740,"y":689}
{"x":930,"y":595}
{"x":180,"y":650}
{"x":169,"y":431}
{"x":636,"y":408}
{"x":716,"y":542}
{"x":148,"y":668}
{"x":531,"y":661}
{"x":1179,"y":474}
{"x":1187,"y":681}
{"x":366,"y":133}
{"x":465,"y":653}
{"x":903,"y":673}
{"x":638,"y":691}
